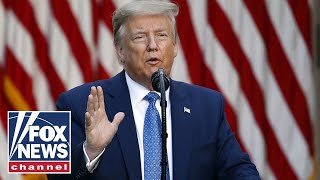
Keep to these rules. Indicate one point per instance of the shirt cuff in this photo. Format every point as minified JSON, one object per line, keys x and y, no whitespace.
{"x":91,"y":166}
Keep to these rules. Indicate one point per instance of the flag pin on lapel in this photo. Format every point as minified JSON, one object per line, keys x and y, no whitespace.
{"x":186,"y":110}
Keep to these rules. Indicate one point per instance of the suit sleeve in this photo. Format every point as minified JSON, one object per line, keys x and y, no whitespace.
{"x":232,"y":162}
{"x":78,"y":165}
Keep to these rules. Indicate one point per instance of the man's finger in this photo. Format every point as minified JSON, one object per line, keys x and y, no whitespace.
{"x":100,"y":97}
{"x":90,"y":105}
{"x":88,"y":119}
{"x":95,"y":98}
{"x":118,"y":119}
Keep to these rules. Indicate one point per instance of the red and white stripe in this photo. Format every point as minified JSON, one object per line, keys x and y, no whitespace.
{"x":257,"y":53}
{"x":3,"y":109}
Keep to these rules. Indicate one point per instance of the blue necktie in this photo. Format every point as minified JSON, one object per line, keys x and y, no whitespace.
{"x":152,"y":140}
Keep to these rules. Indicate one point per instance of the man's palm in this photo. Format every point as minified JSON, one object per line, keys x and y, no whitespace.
{"x":99,"y":130}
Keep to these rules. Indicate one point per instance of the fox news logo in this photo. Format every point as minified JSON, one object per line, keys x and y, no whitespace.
{"x":39,"y":142}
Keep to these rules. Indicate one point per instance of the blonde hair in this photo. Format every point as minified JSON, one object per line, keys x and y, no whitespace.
{"x":143,"y":7}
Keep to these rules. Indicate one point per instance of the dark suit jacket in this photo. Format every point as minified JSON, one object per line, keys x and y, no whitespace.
{"x":202,"y":142}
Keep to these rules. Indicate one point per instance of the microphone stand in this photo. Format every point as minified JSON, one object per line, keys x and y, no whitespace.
{"x":164,"y":134}
{"x":160,"y":83}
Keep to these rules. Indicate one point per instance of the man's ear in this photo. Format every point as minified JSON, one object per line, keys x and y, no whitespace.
{"x":175,"y":50}
{"x":120,"y":53}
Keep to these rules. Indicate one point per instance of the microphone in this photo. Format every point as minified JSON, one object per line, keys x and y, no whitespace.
{"x":156,"y":80}
{"x":160,"y":83}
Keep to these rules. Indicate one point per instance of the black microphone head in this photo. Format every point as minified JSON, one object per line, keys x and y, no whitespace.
{"x":155,"y":79}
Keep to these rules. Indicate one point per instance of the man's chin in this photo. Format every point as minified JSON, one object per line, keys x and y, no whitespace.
{"x":153,"y":70}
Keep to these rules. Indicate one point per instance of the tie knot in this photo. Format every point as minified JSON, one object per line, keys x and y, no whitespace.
{"x":152,"y":97}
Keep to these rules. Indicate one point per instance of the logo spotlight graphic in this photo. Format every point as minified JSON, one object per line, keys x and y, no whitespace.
{"x":39,"y":142}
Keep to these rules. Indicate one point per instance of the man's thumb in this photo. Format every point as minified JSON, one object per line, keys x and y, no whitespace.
{"x":118,"y":119}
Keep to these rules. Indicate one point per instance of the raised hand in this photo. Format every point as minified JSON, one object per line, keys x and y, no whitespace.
{"x":99,"y":130}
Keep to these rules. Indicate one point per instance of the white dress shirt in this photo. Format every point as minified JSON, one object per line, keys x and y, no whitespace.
{"x":139,"y":107}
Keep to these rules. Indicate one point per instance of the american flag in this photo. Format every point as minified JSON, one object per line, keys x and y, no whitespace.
{"x":258,"y":53}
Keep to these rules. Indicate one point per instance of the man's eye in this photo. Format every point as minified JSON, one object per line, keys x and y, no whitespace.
{"x":162,"y":36}
{"x":139,"y":38}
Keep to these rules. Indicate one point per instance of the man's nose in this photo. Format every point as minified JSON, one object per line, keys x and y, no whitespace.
{"x":152,"y":44}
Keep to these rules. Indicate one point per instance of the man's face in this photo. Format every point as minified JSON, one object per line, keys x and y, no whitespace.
{"x":147,"y":45}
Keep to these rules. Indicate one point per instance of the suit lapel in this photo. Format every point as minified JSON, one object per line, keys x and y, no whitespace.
{"x":181,"y":129}
{"x":118,"y":100}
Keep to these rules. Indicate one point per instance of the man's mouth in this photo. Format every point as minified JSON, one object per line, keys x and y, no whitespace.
{"x":153,"y":61}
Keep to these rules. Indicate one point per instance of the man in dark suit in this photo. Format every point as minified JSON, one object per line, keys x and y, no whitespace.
{"x":109,"y":126}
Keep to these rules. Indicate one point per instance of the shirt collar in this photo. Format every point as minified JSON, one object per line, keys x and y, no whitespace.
{"x":138,"y":92}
